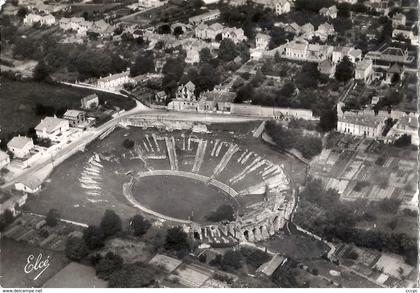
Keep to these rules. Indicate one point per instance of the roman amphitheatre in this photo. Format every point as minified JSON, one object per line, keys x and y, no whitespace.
{"x":179,"y":173}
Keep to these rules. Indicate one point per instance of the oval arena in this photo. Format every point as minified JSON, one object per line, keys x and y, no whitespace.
{"x":180,"y":177}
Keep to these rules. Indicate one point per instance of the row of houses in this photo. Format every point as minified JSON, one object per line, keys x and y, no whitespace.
{"x":220,"y":100}
{"x":367,"y":123}
{"x":52,"y":128}
{"x":42,"y":19}
{"x":210,"y":32}
{"x":82,"y":27}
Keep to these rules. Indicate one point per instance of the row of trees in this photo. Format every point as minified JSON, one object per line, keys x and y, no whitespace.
{"x":111,"y":266}
{"x":54,"y":56}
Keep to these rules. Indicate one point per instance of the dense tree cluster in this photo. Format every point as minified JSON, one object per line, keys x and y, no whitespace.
{"x":143,"y":64}
{"x":176,"y":239}
{"x":308,"y":145}
{"x":228,"y":50}
{"x":136,"y":275}
{"x":247,"y":17}
{"x":5,"y":219}
{"x":54,"y":56}
{"x":52,"y":218}
{"x":107,"y":265}
{"x":344,"y":70}
{"x":339,"y":219}
{"x":139,"y":225}
{"x":76,"y":248}
{"x":172,"y":71}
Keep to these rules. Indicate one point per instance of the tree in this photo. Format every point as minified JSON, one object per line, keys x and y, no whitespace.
{"x":136,"y":275}
{"x":108,"y":265}
{"x":308,"y":77}
{"x":111,"y":223}
{"x":164,"y":29}
{"x":176,"y":239}
{"x":41,"y":71}
{"x":231,"y":260}
{"x":197,"y":4}
{"x":52,"y":218}
{"x":344,"y":70}
{"x":207,"y":77}
{"x":328,"y":120}
{"x":128,"y":143}
{"x":227,"y":50}
{"x":76,"y":248}
{"x":143,"y":64}
{"x":205,"y":55}
{"x":94,"y":237}
{"x":178,"y":31}
{"x":22,"y":12}
{"x":139,"y":225}
{"x":8,"y":216}
{"x":403,"y":141}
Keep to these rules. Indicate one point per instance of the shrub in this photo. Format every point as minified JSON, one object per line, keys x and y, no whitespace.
{"x":76,"y":248}
{"x":52,"y":218}
{"x":128,"y":143}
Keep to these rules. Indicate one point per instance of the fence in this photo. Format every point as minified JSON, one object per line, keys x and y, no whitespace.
{"x":271,"y":112}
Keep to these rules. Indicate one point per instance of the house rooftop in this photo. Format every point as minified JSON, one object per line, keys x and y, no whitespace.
{"x":114,"y":76}
{"x":49,"y":124}
{"x":90,"y":97}
{"x":360,"y":118}
{"x":3,"y":155}
{"x":363,"y":64}
{"x":218,"y":96}
{"x":72,"y":113}
{"x":33,"y":182}
{"x":19,"y":142}
{"x":190,"y":85}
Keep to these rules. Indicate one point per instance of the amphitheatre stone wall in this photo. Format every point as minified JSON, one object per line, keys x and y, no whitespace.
{"x":226,"y":164}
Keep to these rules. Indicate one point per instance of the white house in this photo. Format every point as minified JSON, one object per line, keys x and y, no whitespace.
{"x":4,"y":159}
{"x":114,"y":81}
{"x":185,"y":99}
{"x":262,"y":41}
{"x":32,"y":18}
{"x":362,"y":123}
{"x":330,"y":12}
{"x":364,"y":70}
{"x":347,"y":1}
{"x":151,"y":3}
{"x":203,"y":31}
{"x":90,"y":101}
{"x":354,"y":55}
{"x":30,"y":184}
{"x":282,"y":7}
{"x":235,"y":34}
{"x":20,"y":146}
{"x":16,"y":200}
{"x":52,"y":128}
{"x":399,"y":19}
{"x":408,"y":124}
{"x":210,"y":15}
{"x":406,"y":32}
{"x":77,"y":24}
{"x":324,"y":31}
